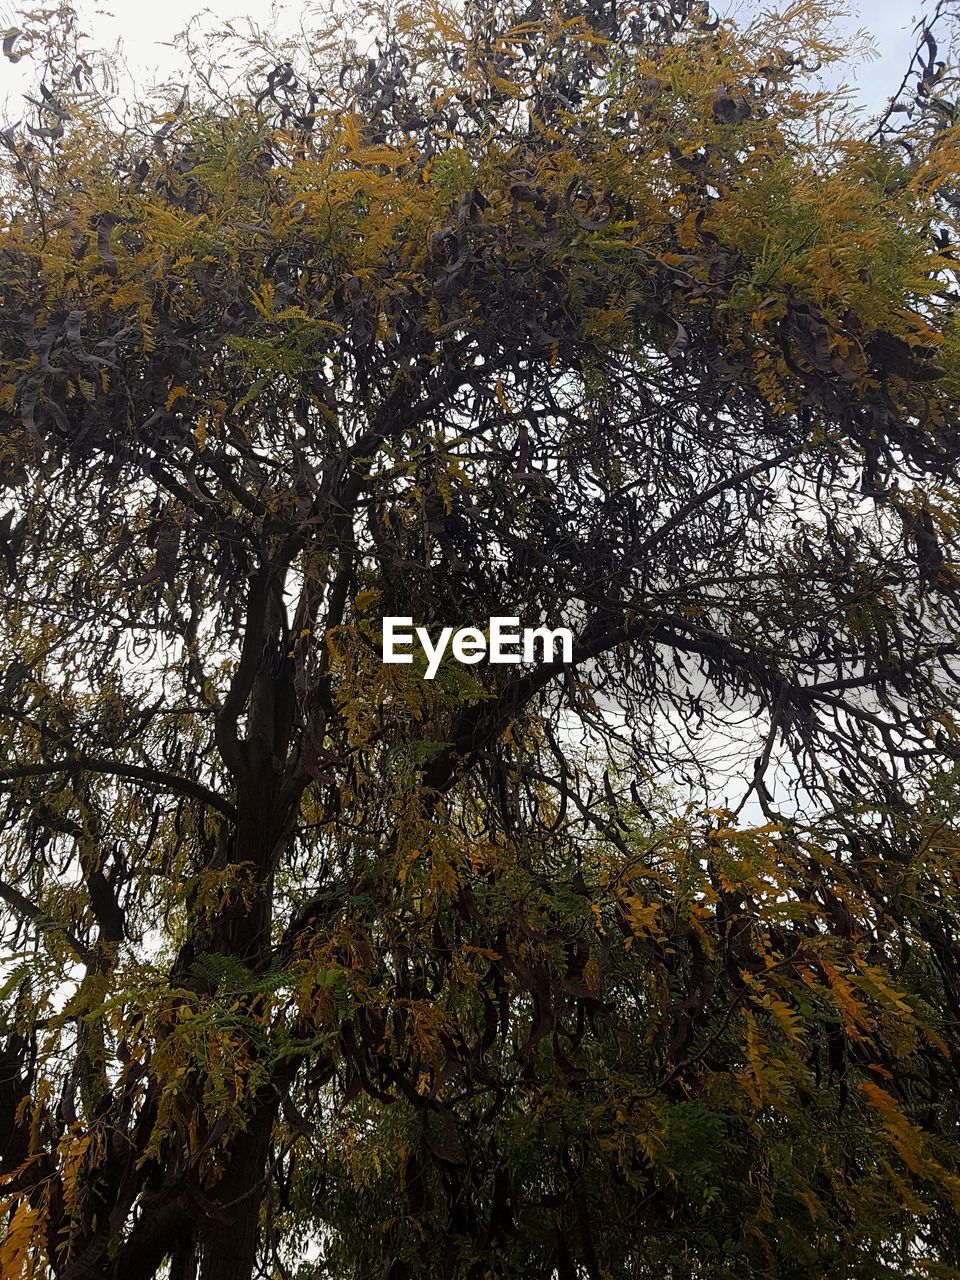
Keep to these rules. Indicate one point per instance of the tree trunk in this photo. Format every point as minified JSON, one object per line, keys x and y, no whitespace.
{"x":230,"y":1239}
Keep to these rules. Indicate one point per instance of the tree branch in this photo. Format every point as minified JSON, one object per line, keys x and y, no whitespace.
{"x":45,"y":923}
{"x":118,"y":768}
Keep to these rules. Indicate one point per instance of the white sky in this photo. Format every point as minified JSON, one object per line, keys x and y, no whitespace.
{"x":146,"y":29}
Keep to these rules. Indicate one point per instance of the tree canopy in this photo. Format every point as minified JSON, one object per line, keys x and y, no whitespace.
{"x":643,"y":966}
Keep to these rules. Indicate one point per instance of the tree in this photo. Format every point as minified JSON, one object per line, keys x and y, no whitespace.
{"x":600,"y":316}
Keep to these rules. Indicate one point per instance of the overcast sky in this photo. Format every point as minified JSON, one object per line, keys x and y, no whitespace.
{"x":146,"y":28}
